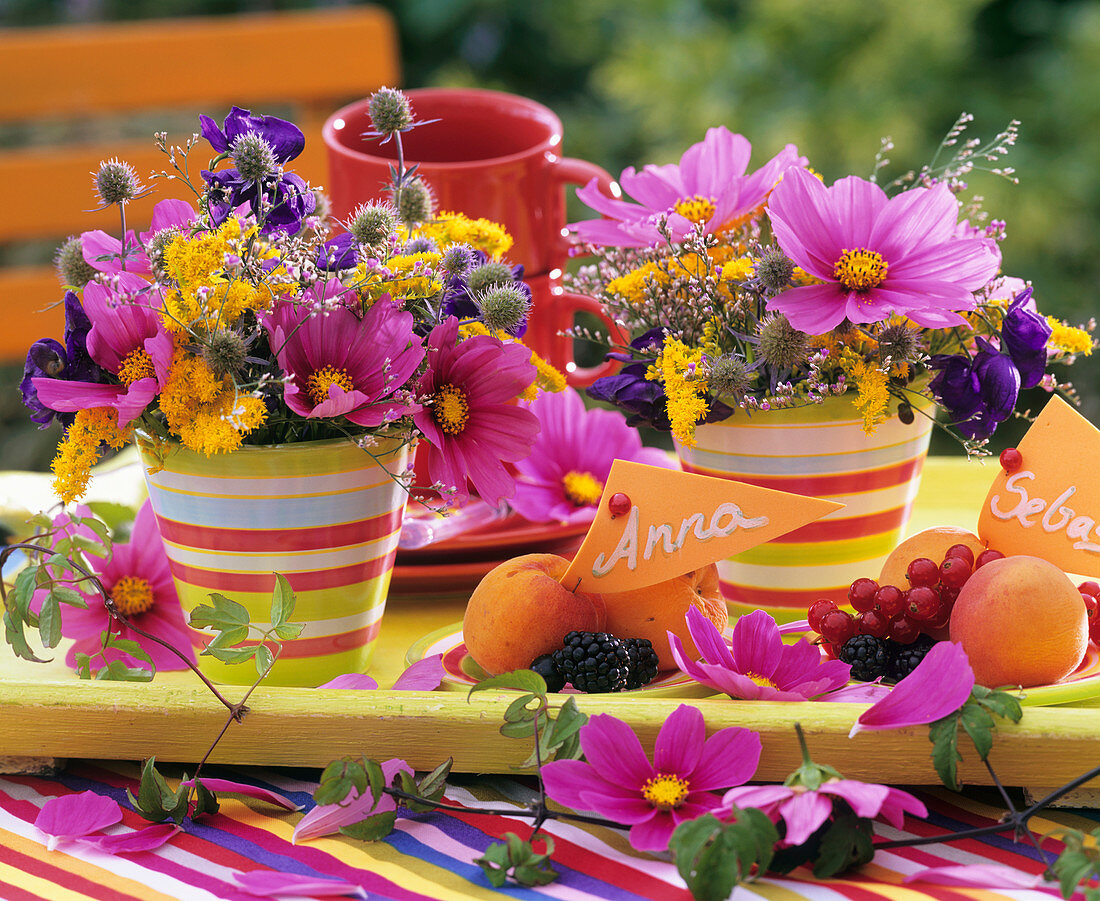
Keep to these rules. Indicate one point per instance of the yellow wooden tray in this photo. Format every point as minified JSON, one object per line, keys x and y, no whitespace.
{"x":46,"y":712}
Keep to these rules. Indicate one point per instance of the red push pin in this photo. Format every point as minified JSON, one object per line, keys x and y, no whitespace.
{"x":1011,"y":460}
{"x":619,"y":505}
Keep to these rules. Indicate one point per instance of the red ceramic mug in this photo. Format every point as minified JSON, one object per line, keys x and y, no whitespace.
{"x":491,"y":155}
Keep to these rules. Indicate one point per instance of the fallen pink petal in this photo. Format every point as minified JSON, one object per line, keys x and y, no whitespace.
{"x":939,"y":685}
{"x":73,"y":816}
{"x":243,"y":788}
{"x":326,"y":819}
{"x":147,"y":839}
{"x":980,"y":875}
{"x":424,"y":675}
{"x":270,"y":884}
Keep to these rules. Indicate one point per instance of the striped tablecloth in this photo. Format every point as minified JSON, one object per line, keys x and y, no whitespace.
{"x":430,"y":856}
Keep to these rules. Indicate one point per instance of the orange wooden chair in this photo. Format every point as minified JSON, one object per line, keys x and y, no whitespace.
{"x":299,"y":65}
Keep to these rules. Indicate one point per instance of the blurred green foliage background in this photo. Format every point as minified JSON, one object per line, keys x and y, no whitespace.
{"x":637,"y":81}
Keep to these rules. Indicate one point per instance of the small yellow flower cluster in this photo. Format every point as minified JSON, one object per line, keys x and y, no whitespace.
{"x":1069,"y":339}
{"x":79,"y":450}
{"x":206,"y":298}
{"x":408,"y":281}
{"x":547,"y":377}
{"x":872,"y":398}
{"x":455,"y":228}
{"x":685,"y":388}
{"x":209,"y":414}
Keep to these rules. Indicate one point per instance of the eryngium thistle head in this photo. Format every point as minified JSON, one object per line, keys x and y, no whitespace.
{"x":116,"y":182}
{"x":224,"y":352}
{"x":72,"y":268}
{"x":373,"y":223}
{"x":781,"y":345}
{"x":729,"y":376}
{"x":421,"y":245}
{"x":900,"y":343}
{"x":457,"y":260}
{"x":488,"y":274}
{"x":155,"y":248}
{"x":253,"y":157}
{"x":503,"y":308}
{"x":389,"y":111}
{"x":774,"y":270}
{"x":414,"y":202}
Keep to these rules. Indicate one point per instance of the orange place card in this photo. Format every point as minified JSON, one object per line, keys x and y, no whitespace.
{"x":1049,"y":505}
{"x":654,"y":524}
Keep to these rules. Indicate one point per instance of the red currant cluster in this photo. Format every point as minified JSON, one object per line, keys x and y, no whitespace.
{"x":886,"y":611}
{"x":1090,"y":594}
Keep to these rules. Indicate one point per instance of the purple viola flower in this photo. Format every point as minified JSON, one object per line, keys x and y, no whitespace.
{"x":341,"y":252}
{"x":458,"y":301}
{"x":1024,"y":334}
{"x":48,"y":359}
{"x":630,"y":390}
{"x":284,"y":138}
{"x":979,"y":393}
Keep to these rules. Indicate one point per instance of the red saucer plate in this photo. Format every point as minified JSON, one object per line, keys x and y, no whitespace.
{"x":502,"y":539}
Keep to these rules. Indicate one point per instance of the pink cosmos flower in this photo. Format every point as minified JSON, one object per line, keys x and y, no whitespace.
{"x":709,"y":185}
{"x":138,"y":580}
{"x":325,"y":819}
{"x":563,"y":478}
{"x":876,"y":256}
{"x":103,"y":251}
{"x":940,"y":684}
{"x":129,"y":341}
{"x":619,"y":782}
{"x":758,"y":665}
{"x":340,"y":365}
{"x":805,"y":810}
{"x":470,"y":424}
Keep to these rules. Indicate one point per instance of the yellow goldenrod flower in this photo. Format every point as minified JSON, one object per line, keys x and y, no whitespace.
{"x":455,"y":228}
{"x":677,"y":368}
{"x":79,"y":450}
{"x":1068,"y":338}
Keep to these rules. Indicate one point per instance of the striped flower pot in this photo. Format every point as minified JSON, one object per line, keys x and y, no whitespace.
{"x":323,"y":513}
{"x":821,"y":451}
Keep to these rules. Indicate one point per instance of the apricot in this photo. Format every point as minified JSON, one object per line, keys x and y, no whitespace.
{"x":654,"y":611}
{"x":931,"y":543}
{"x":1021,"y":622}
{"x":520,"y":611}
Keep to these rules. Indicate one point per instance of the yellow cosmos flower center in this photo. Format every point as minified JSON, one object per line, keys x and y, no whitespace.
{"x":317,"y":384}
{"x":695,"y":209}
{"x":665,"y":791}
{"x":582,"y":488}
{"x":137,"y":364}
{"x":450,"y":410}
{"x":132,"y":595}
{"x":860,"y":269}
{"x":763,"y":681}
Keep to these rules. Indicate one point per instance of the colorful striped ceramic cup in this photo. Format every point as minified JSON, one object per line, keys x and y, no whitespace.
{"x":821,"y":451}
{"x":323,"y":513}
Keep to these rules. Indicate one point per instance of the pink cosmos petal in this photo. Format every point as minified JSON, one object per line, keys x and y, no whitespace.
{"x":613,"y":750}
{"x":71,"y":816}
{"x":939,"y":685}
{"x":898,"y":804}
{"x":865,"y":798}
{"x":352,"y":681}
{"x":564,"y":780}
{"x":243,"y":788}
{"x":810,"y":308}
{"x":325,"y":819}
{"x":273,"y":884}
{"x":762,"y":797}
{"x":654,"y":833}
{"x":730,"y":757}
{"x":424,"y":675}
{"x":804,"y":812}
{"x":147,"y":839}
{"x":860,"y":693}
{"x":628,"y":808}
{"x":708,"y":640}
{"x":756,"y":645}
{"x":980,"y":875}
{"x":170,"y":213}
{"x":679,"y":744}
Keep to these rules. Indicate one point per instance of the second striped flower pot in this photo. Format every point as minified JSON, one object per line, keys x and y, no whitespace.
{"x":821,"y":451}
{"x":325,"y":514}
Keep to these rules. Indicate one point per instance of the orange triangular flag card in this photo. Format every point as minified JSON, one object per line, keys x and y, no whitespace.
{"x":654,"y":524}
{"x":1049,"y":505}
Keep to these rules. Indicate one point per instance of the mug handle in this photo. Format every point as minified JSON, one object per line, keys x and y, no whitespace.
{"x":571,"y":171}
{"x":566,"y":305}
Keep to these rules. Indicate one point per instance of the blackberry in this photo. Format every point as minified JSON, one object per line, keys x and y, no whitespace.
{"x":594,"y":662}
{"x":544,"y":665}
{"x":905,"y":657}
{"x":643,"y":662}
{"x":867,"y":656}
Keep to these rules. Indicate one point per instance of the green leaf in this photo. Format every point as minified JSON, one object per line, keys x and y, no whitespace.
{"x":845,"y":844}
{"x":567,"y":723}
{"x":979,"y":725}
{"x":337,"y":780}
{"x":1002,"y":704}
{"x":433,"y":785}
{"x":225,"y":613}
{"x":49,"y":621}
{"x":713,"y":857}
{"x":519,"y":859}
{"x":372,"y":828}
{"x":518,"y":680}
{"x":495,"y":862}
{"x":376,"y":780}
{"x":84,"y":666}
{"x":289,"y":631}
{"x":264,"y":659}
{"x":70,"y":596}
{"x":231,"y":655}
{"x":156,"y":801}
{"x":944,"y":735}
{"x":519,"y":712}
{"x":523,"y":729}
{"x":1073,"y":866}
{"x":282,"y":601}
{"x":19,"y":598}
{"x":118,"y":671}
{"x":13,"y":634}
{"x":229,"y":637}
{"x":205,"y":801}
